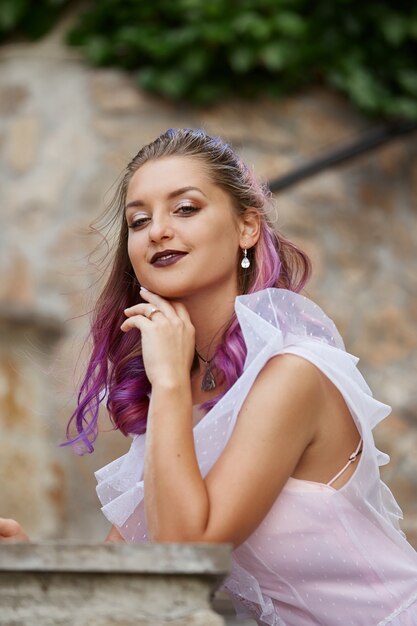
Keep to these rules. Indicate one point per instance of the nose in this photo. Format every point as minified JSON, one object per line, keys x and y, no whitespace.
{"x":161,"y":227}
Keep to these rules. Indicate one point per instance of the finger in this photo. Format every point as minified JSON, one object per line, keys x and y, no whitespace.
{"x":159,"y":302}
{"x":182,"y":312}
{"x":177,"y":308}
{"x":141,"y":322}
{"x":145,"y":309}
{"x":9,"y":527}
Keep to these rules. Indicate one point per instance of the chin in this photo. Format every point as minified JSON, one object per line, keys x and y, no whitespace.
{"x":169,"y":292}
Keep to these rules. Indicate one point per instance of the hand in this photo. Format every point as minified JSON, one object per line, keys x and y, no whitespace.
{"x":10,"y":530}
{"x":168,"y":338}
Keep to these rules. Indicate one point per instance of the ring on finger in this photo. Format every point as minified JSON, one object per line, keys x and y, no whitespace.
{"x":154,"y":310}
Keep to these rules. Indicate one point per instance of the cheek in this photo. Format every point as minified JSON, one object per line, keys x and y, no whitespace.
{"x":223,"y":252}
{"x":135,"y":254}
{"x":226,"y":240}
{"x":134,"y":249}
{"x":130,"y":254}
{"x":223,"y":233}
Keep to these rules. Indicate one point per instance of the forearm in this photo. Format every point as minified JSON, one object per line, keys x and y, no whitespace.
{"x":114,"y":536}
{"x":176,"y":500}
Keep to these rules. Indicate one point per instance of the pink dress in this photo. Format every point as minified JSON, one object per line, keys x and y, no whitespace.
{"x":320,"y":556}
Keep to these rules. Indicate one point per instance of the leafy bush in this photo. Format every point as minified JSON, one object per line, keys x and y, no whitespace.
{"x":23,"y":17}
{"x":205,"y":50}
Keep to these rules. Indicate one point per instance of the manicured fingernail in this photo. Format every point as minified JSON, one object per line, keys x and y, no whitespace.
{"x":144,"y":288}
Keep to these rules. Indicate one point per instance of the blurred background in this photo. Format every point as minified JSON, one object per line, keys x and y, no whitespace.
{"x":84,"y":85}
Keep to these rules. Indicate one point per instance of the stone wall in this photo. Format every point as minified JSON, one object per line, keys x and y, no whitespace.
{"x":66,"y":132}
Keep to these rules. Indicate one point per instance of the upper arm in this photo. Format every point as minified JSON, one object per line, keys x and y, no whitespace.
{"x":277,"y":422}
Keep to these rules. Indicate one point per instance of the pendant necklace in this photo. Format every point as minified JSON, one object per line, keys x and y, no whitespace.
{"x":208,"y":383}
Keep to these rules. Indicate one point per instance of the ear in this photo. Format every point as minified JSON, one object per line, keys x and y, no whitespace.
{"x":250,"y":228}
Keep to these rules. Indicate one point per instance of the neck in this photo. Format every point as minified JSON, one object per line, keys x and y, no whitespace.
{"x":210,"y":314}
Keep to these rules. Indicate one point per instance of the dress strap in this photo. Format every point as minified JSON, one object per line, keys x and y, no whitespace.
{"x":352,"y":459}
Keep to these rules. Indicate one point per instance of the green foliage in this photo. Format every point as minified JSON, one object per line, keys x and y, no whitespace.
{"x":205,"y":50}
{"x":26,"y":18}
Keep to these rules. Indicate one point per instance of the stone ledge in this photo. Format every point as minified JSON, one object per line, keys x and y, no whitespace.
{"x":207,"y":559}
{"x":57,"y":584}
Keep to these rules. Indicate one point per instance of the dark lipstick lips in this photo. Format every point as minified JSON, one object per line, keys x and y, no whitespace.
{"x":158,"y":255}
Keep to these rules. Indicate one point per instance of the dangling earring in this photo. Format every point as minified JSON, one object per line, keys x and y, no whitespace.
{"x":245,"y":263}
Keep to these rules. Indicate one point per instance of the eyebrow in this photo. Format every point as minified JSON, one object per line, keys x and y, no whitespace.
{"x":172,"y":194}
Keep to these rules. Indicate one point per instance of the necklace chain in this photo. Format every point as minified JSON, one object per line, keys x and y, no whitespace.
{"x":206,"y":361}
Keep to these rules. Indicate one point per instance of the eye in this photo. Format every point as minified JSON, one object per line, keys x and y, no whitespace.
{"x":138,"y":223}
{"x":187,"y":209}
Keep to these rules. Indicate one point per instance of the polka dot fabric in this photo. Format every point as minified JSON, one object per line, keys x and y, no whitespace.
{"x":321,"y":556}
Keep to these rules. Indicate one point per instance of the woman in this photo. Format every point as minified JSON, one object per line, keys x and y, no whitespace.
{"x":250,"y":422}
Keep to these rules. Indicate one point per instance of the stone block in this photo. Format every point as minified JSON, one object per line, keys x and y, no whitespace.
{"x":115,"y":93}
{"x":387,"y":336}
{"x":17,"y":284}
{"x":23,"y":142}
{"x":12,"y":97}
{"x":110,"y":585}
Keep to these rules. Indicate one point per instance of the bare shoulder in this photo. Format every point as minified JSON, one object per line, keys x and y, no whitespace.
{"x":291,"y":365}
{"x":288,"y":386}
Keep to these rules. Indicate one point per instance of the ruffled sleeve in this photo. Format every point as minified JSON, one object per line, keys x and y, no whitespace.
{"x":120,"y":484}
{"x":305,"y":330}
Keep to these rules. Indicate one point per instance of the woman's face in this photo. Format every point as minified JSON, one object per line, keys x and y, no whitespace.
{"x":184,"y":233}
